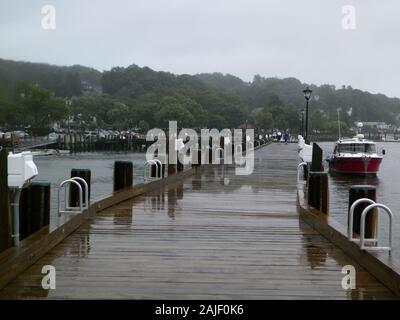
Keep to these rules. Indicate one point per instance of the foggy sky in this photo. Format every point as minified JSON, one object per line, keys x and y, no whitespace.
{"x":282,"y":38}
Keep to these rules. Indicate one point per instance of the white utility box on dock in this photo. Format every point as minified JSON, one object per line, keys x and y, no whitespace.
{"x":305,"y":150}
{"x":21,"y":169}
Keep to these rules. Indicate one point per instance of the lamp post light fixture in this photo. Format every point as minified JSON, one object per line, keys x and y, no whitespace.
{"x":307,"y":95}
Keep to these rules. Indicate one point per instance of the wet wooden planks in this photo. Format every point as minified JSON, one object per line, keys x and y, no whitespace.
{"x":213,"y":236}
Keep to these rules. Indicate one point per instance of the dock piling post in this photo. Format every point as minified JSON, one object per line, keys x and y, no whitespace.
{"x":316,"y":164}
{"x":154,"y":170}
{"x":363,"y":191}
{"x":318,"y":191}
{"x":34,"y":212}
{"x":85,"y":174}
{"x":123,"y":175}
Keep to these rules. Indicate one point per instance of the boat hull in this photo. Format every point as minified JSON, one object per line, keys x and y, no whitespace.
{"x":357,"y":166}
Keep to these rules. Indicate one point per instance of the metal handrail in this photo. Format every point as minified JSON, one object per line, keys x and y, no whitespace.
{"x":159,"y":168}
{"x":351,"y":217}
{"x":85,"y":204}
{"x":362,"y":230}
{"x":67,"y":208}
{"x":147,"y":169}
{"x":302,"y":164}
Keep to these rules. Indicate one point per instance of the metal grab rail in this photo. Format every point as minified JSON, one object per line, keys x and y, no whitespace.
{"x":67,"y":208}
{"x":362,"y":230}
{"x":302,"y":164}
{"x":158,"y":168}
{"x":147,"y":169}
{"x":85,"y":204}
{"x":362,"y":240}
{"x":351,"y":217}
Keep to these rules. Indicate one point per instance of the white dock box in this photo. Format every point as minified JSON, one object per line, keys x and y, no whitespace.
{"x":21,"y":169}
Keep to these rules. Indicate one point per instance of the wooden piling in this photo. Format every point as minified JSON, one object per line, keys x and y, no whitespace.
{"x":85,"y":174}
{"x":5,"y":209}
{"x":318,"y":191}
{"x":123,"y":175}
{"x":34,"y":212}
{"x":316,"y":164}
{"x":363,"y":191}
{"x":154,"y":171}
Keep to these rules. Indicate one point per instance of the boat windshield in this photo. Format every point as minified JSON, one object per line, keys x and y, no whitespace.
{"x":357,"y":148}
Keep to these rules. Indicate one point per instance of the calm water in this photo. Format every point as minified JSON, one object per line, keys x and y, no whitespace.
{"x":56,"y":169}
{"x":388,"y":190}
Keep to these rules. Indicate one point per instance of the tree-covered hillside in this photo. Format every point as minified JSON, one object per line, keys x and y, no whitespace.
{"x":63,"y":81}
{"x":136,"y":96}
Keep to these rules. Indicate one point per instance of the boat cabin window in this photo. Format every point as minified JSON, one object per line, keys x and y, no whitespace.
{"x":356,"y":148}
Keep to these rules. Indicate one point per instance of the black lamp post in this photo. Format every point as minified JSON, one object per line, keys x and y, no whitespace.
{"x":307,"y":95}
{"x":302,"y":123}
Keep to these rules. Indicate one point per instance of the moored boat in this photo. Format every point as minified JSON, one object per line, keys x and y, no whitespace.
{"x":356,"y":156}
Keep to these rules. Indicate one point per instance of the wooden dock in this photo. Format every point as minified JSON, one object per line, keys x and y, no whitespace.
{"x":214,"y":235}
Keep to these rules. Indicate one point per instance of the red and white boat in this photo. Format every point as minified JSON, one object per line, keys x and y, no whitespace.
{"x":356,"y":156}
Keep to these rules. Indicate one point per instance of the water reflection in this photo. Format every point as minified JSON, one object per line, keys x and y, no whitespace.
{"x":345,"y":181}
{"x":172,"y":202}
{"x":123,"y":218}
{"x":155,"y":203}
{"x":84,"y":245}
{"x":322,"y":254}
{"x":315,"y":253}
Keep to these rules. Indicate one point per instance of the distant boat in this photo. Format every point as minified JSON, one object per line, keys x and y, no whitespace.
{"x":356,"y":156}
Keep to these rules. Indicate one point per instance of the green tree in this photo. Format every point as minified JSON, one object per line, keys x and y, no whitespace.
{"x":118,"y":115}
{"x":318,"y":121}
{"x":171,"y":109}
{"x":144,"y":126}
{"x":3,"y":103}
{"x":38,"y":105}
{"x":263,"y":119}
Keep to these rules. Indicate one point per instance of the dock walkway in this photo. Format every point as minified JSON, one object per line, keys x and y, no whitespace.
{"x":212,"y":236}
